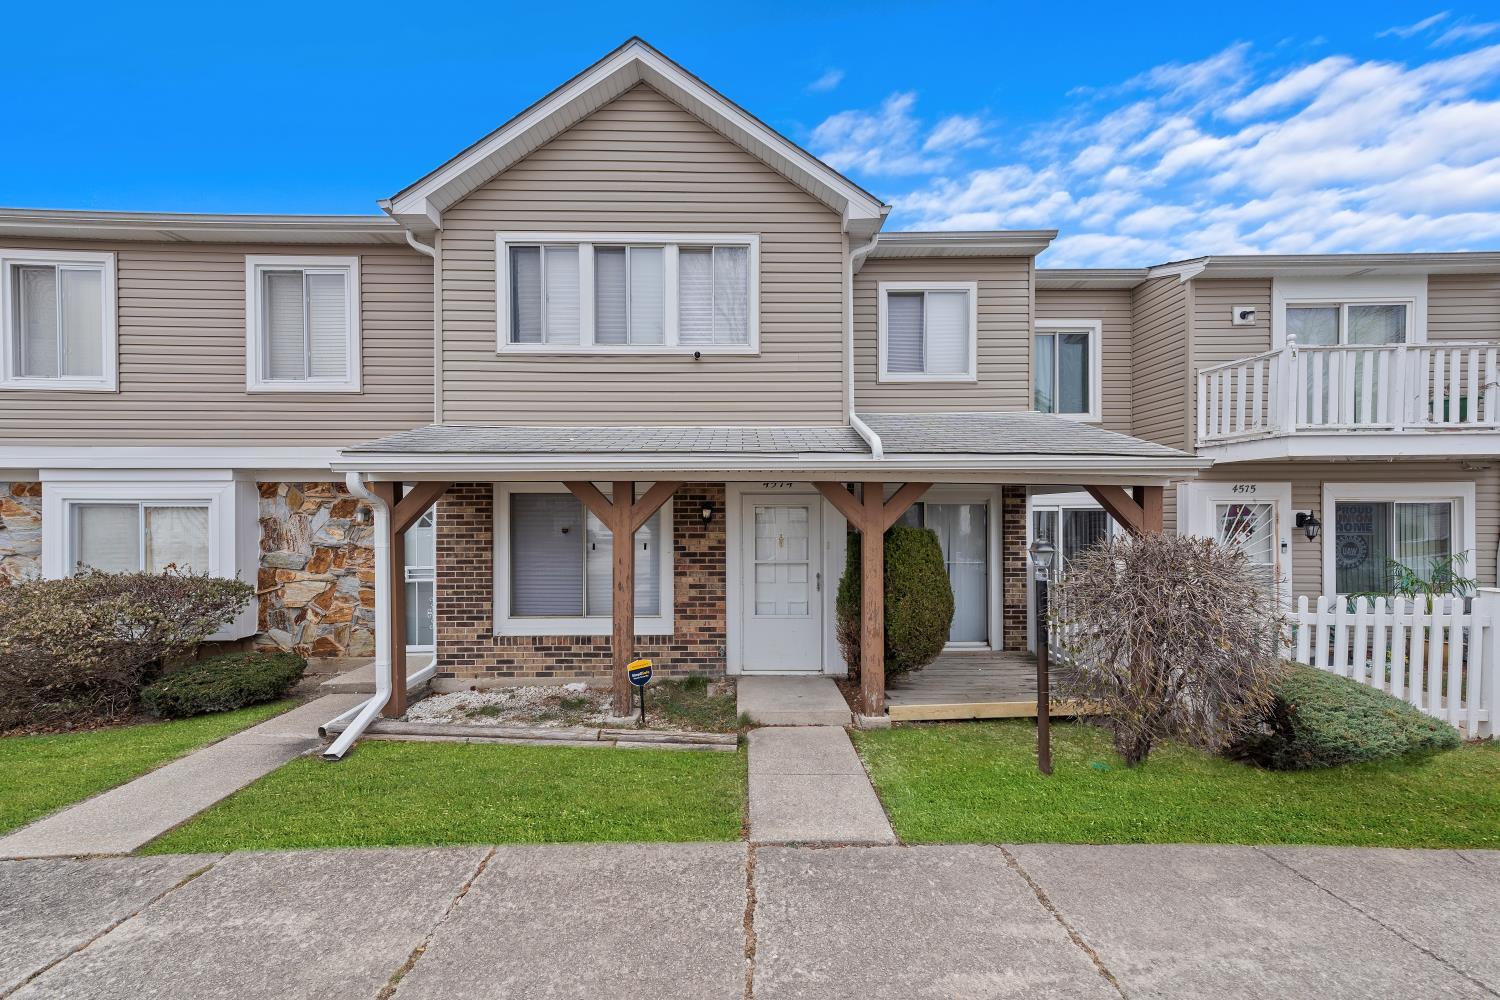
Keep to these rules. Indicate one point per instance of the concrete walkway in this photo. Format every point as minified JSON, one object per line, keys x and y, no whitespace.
{"x":739,"y":922}
{"x":122,"y":819}
{"x":808,"y":786}
{"x":791,"y":701}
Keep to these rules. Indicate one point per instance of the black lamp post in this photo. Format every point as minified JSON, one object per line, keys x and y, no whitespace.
{"x":1042,"y":554}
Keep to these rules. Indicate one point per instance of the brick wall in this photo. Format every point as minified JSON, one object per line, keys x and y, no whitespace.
{"x":468,"y":649}
{"x":1013,"y":566}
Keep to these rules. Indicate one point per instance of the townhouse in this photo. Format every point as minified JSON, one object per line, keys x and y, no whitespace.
{"x":635,"y":309}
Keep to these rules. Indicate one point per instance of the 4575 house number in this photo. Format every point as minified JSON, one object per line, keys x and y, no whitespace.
{"x":1242,"y":489}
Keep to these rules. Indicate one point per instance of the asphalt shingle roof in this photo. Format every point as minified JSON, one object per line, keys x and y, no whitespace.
{"x":1020,"y":433}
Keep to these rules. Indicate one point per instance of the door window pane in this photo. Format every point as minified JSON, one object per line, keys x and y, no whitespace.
{"x":783,"y":572}
{"x":1082,"y":529}
{"x":1250,"y":528}
{"x":963,"y":534}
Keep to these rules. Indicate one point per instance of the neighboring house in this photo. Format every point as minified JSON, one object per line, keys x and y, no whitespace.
{"x":637,"y":284}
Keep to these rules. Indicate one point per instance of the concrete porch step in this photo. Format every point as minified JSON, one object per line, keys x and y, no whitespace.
{"x":792,"y":701}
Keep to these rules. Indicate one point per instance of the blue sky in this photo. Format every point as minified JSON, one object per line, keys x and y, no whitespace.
{"x":1311,"y":127}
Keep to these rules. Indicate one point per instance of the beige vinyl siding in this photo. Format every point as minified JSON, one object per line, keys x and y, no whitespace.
{"x":181,"y":321}
{"x":1307,"y":480}
{"x":1463,"y":307}
{"x":1215,"y":338}
{"x":643,"y":164}
{"x":1160,"y":361}
{"x":1003,"y":344}
{"x":1112,"y":308}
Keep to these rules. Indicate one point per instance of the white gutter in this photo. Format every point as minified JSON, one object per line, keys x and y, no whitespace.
{"x":366,"y":712}
{"x":877,"y":450}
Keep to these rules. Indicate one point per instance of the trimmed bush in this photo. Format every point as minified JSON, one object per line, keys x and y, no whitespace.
{"x":918,"y":601}
{"x":223,"y":683}
{"x":77,"y":650}
{"x":1319,"y":719}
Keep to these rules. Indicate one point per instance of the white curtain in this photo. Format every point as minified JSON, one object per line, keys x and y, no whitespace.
{"x":601,"y":569}
{"x":328,"y":325}
{"x":904,"y":350}
{"x":1044,"y":356}
{"x":525,"y":295}
{"x":177,"y":536}
{"x":611,"y":325}
{"x":82,"y":322}
{"x":695,"y":296}
{"x":963,"y":534}
{"x":36,"y":311}
{"x":1424,"y":535}
{"x":647,"y":295}
{"x":1313,"y":326}
{"x":731,"y":295}
{"x":286,"y":341}
{"x":1072,"y":373}
{"x":562,"y":295}
{"x":947,"y":329}
{"x":1377,"y":324}
{"x":106,"y":536}
{"x":546,"y":554}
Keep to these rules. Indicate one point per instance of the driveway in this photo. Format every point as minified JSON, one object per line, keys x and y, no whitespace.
{"x":733,"y":921}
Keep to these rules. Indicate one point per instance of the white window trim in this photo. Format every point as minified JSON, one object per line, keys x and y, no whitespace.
{"x":585,"y":242}
{"x":1408,"y":290}
{"x":108,"y":380}
{"x":256,"y":379}
{"x":972,"y":287}
{"x":1460,"y":494}
{"x":1095,"y":329}
{"x":590,"y":625}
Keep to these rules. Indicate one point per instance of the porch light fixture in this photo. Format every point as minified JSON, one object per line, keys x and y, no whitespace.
{"x":1309,"y":524}
{"x":707,"y":512}
{"x":1042,"y":554}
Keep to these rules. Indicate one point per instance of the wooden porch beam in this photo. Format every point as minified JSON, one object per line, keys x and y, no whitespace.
{"x":1151,"y":500}
{"x":843,"y":501}
{"x":588,"y":494}
{"x":411,"y":507}
{"x":650,"y":503}
{"x":1119,"y":505}
{"x":901,"y":501}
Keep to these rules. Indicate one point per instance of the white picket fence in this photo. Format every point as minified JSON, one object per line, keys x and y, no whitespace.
{"x":1444,"y":660}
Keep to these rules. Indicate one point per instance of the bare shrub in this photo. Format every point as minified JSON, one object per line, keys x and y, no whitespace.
{"x":79,"y":649}
{"x":1172,"y":638}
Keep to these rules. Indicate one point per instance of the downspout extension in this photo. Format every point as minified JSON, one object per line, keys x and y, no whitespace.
{"x":365,"y":713}
{"x":856,"y":254}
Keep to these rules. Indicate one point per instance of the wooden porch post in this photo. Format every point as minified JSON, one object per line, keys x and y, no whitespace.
{"x":871,"y":515}
{"x":623,"y":515}
{"x":406,"y":508}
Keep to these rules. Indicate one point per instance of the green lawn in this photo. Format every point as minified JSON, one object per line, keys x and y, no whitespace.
{"x":978,"y":783}
{"x":391,"y":793}
{"x":40,"y":774}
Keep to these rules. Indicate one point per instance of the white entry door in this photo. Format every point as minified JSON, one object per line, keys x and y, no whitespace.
{"x":781,"y":606}
{"x":1254,"y":517}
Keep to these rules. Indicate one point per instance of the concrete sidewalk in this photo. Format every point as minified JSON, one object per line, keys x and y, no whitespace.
{"x":808,"y":786}
{"x":730,"y":921}
{"x":124,"y":818}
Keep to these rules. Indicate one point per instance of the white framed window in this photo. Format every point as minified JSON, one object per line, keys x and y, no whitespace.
{"x":302,"y":324}
{"x":1368,"y":311}
{"x":554,"y":565}
{"x":1066,"y":363}
{"x":119,"y":536}
{"x":1368,"y":527}
{"x":927,"y":331}
{"x":57,"y":320}
{"x":627,"y":293}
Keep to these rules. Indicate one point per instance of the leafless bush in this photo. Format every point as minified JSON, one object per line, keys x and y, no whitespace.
{"x":79,"y":649}
{"x":1172,"y":638}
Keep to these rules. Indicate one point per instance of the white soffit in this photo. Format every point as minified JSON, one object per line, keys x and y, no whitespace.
{"x":998,"y":243}
{"x":420,"y":206}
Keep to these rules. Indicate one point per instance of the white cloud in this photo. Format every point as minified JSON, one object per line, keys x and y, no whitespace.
{"x":1214,"y":156}
{"x":1466,"y":32}
{"x":831,"y":78}
{"x":1408,"y":30}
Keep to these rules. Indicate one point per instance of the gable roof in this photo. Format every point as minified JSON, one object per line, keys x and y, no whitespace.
{"x":420,"y":206}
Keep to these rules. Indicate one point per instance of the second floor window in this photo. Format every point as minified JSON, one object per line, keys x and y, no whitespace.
{"x":685,"y":293}
{"x":57,"y":315}
{"x":927,"y":331}
{"x":1332,"y":324}
{"x":1065,"y":368}
{"x":303,"y":324}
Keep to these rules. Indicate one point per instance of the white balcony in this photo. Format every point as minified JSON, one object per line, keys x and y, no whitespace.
{"x":1438,"y":399}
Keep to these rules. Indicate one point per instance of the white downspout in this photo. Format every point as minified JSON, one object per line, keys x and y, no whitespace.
{"x":437,"y":323}
{"x":365,"y":713}
{"x":877,"y":450}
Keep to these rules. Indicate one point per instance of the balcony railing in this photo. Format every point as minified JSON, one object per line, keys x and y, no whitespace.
{"x":1402,"y":387}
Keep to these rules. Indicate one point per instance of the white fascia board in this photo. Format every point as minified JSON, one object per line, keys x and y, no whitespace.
{"x":191,"y":457}
{"x":1384,"y":444}
{"x":633,"y":63}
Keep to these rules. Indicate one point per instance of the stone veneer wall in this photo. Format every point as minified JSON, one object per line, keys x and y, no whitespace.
{"x":20,"y":532}
{"x":1014,"y":568}
{"x":317,"y":570}
{"x":468,"y":649}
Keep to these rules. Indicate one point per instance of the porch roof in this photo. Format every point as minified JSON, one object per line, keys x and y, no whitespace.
{"x":956,"y":447}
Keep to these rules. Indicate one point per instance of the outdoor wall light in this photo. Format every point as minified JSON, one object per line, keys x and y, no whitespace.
{"x":707,"y":512}
{"x":1309,"y":524}
{"x":1042,"y":554}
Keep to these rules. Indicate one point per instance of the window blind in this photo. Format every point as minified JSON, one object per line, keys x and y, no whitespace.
{"x":947,"y":333}
{"x":647,"y":295}
{"x":904,"y":347}
{"x":106,"y":536}
{"x":526,"y":295}
{"x":611,"y":324}
{"x":286,"y":336}
{"x":600,"y":568}
{"x":177,"y":536}
{"x":562,"y":307}
{"x":36,"y":310}
{"x":328,"y":326}
{"x":695,"y":296}
{"x":546,"y":555}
